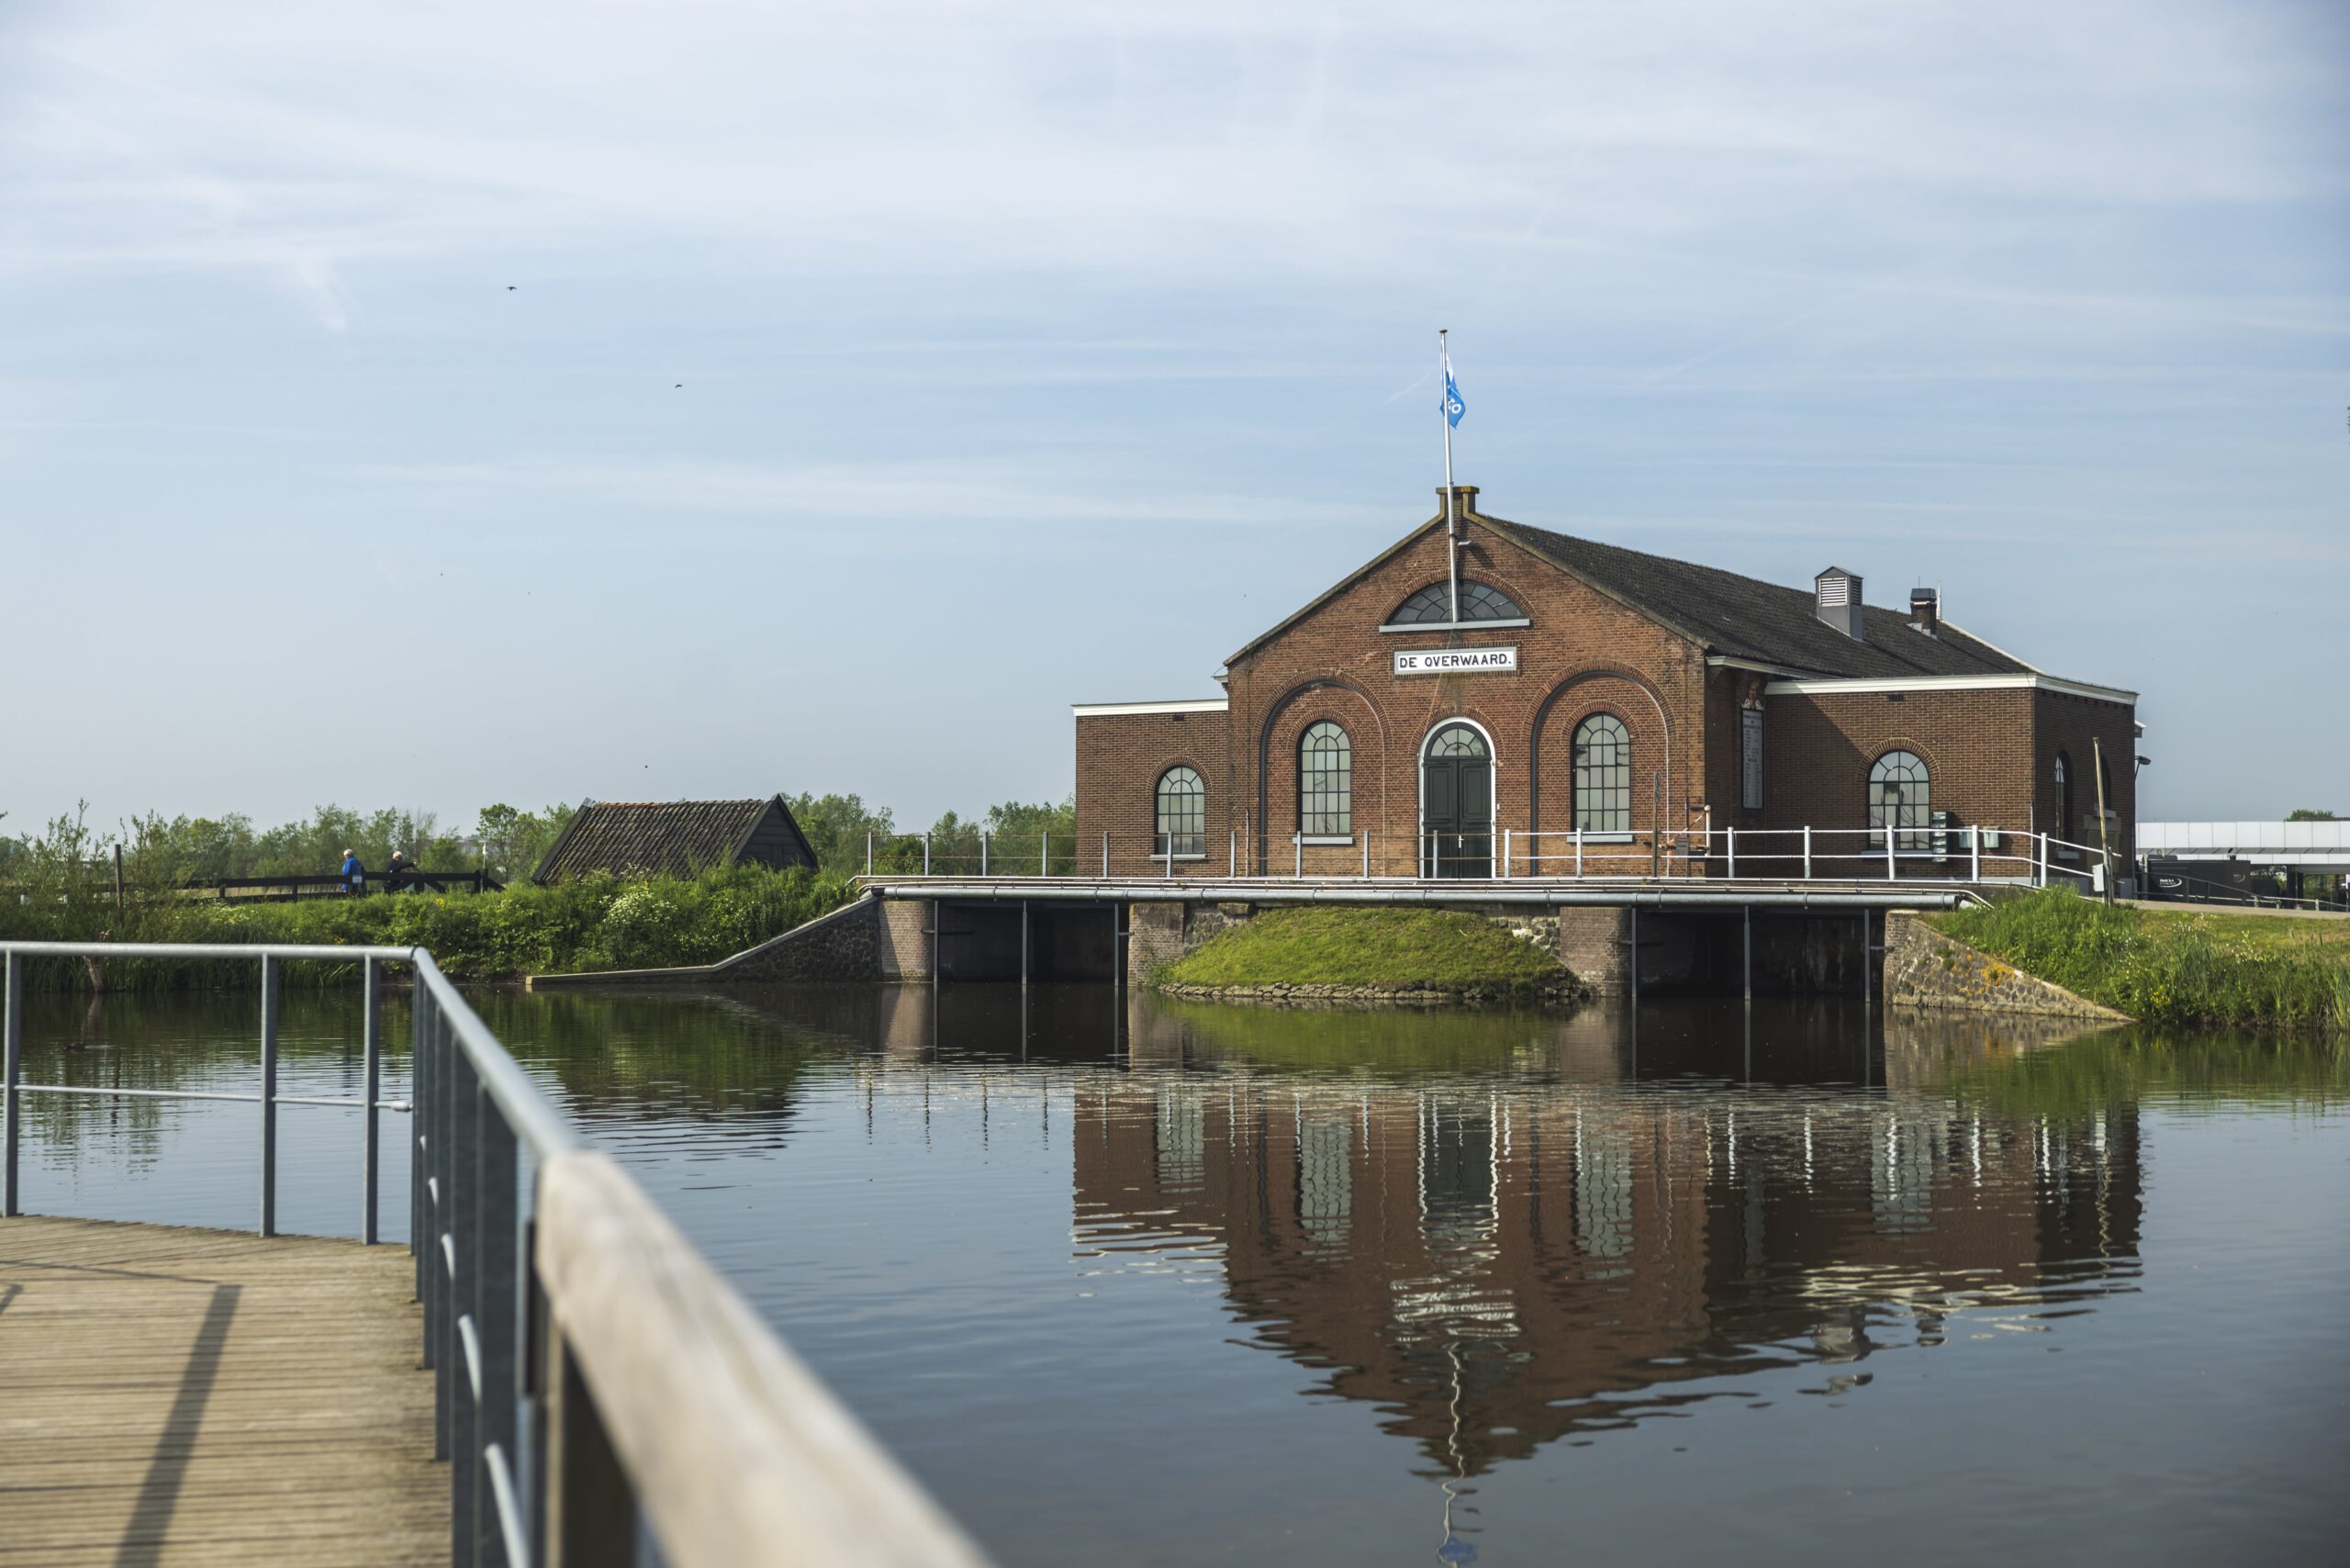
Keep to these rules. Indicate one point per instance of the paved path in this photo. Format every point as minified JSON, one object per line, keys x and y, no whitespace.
{"x":182,"y":1397}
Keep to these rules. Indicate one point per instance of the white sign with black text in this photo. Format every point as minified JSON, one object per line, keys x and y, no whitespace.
{"x":1456,"y":661}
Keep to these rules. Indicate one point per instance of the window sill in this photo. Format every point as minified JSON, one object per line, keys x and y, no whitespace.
{"x":1458,"y":625}
{"x":1313,"y":839}
{"x":1602,"y":838}
{"x":1162,"y":856}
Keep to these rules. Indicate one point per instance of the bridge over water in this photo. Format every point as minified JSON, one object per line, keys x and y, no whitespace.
{"x":545,"y":1371}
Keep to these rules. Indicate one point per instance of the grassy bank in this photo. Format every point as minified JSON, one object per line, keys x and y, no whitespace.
{"x":1370,"y":950}
{"x":2171,"y":967}
{"x":599,"y":923}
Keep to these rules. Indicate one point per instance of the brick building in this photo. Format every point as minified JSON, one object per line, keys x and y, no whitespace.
{"x":1592,"y":705}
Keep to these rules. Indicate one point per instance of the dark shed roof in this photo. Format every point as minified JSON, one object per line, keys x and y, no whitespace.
{"x":1746,"y":618}
{"x":675,"y":838}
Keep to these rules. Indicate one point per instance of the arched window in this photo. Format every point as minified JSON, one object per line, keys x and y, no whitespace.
{"x":2064,"y":798}
{"x":1603,"y":775}
{"x":1900,"y":798}
{"x":1182,"y":813}
{"x":1325,"y":782}
{"x":1434,"y":603}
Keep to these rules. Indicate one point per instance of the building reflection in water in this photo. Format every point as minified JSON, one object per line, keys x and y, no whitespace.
{"x":1496,"y":1264}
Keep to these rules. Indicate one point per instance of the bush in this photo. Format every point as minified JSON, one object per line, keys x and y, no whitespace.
{"x":597,"y":923}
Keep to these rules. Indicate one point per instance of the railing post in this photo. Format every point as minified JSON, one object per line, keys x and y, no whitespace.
{"x":869,"y":854}
{"x":1974,"y":853}
{"x":12,"y":1069}
{"x":420,"y":1157}
{"x":1890,"y":833}
{"x":1366,"y":857}
{"x":1045,"y":855}
{"x":925,"y":855}
{"x":462,"y":1372}
{"x":1806,"y":852}
{"x":1578,"y":850}
{"x":590,"y":1509}
{"x":2040,"y":841}
{"x":269,"y":992}
{"x":1106,"y":856}
{"x":1729,"y":848}
{"x":983,"y":852}
{"x":1505,"y":848}
{"x":371,"y":1073}
{"x":1232,"y":852}
{"x":445,"y":1355}
{"x":493,"y":1263}
{"x":1298,"y":843}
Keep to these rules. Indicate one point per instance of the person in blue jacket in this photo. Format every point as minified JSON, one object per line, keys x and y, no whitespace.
{"x":354,"y":875}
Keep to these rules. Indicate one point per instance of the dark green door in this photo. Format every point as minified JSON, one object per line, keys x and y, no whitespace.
{"x":1457,"y":804}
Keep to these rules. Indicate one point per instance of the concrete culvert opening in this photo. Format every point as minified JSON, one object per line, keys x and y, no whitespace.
{"x":1796,"y":952}
{"x":1009,"y":940}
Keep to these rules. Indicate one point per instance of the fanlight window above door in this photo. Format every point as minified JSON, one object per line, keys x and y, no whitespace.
{"x":1433,"y":604}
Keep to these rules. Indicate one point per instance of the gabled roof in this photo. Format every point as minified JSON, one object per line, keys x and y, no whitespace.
{"x":665,"y":837}
{"x":1746,"y":617}
{"x":1738,"y":617}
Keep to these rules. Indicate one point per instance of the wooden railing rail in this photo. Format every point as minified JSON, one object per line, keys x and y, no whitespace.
{"x":589,"y":1366}
{"x":655,"y":1362}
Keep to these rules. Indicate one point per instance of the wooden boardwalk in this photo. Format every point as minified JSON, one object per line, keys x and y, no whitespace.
{"x":172,"y":1396}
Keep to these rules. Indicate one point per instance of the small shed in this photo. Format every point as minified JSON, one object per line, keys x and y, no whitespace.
{"x":675,"y":838}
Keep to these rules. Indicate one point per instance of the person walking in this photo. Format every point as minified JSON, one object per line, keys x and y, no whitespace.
{"x":354,"y":875}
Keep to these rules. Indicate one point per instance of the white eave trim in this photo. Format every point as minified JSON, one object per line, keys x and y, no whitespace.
{"x":1723,"y":661}
{"x":1183,"y":705}
{"x":1408,"y":627}
{"x":1855,"y":687}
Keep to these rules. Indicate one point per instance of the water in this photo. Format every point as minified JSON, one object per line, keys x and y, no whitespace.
{"x":1168,"y":1284}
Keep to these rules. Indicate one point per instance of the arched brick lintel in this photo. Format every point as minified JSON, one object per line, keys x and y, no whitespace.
{"x":1542,"y":719}
{"x":1265,"y":742}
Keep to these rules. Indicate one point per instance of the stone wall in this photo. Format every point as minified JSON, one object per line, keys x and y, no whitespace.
{"x":1155,"y":933}
{"x":1592,"y":945}
{"x":904,"y":939}
{"x":843,"y":946}
{"x":1925,"y":968}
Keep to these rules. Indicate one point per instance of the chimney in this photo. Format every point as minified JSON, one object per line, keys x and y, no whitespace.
{"x":1465,"y":503}
{"x":1837,"y":601}
{"x":1926,"y":610}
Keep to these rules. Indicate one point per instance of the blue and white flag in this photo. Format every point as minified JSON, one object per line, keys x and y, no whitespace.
{"x":1453,"y":407}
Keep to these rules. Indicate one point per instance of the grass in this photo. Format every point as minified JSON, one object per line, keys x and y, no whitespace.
{"x":1372,"y":949}
{"x":2171,"y":967}
{"x":597,"y":923}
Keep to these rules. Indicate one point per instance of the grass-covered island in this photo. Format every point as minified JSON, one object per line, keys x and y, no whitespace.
{"x":2172,"y":966}
{"x":1381,"y":953}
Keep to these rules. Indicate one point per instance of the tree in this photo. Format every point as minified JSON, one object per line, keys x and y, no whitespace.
{"x":2306,"y":815}
{"x":514,"y":841}
{"x":836,"y":826}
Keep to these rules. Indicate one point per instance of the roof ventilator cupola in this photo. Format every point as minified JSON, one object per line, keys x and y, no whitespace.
{"x":1926,"y":610}
{"x":1837,"y":601}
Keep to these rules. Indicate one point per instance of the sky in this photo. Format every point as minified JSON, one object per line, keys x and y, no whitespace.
{"x":425,"y":405}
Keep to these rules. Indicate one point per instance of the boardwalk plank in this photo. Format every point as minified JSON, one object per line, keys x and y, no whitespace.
{"x":177,"y":1396}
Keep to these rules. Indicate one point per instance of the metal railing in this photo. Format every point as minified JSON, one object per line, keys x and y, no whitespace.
{"x":542,"y":1316}
{"x":1935,"y":853}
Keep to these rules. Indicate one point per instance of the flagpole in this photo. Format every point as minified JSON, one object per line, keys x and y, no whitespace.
{"x":1451,"y":529}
